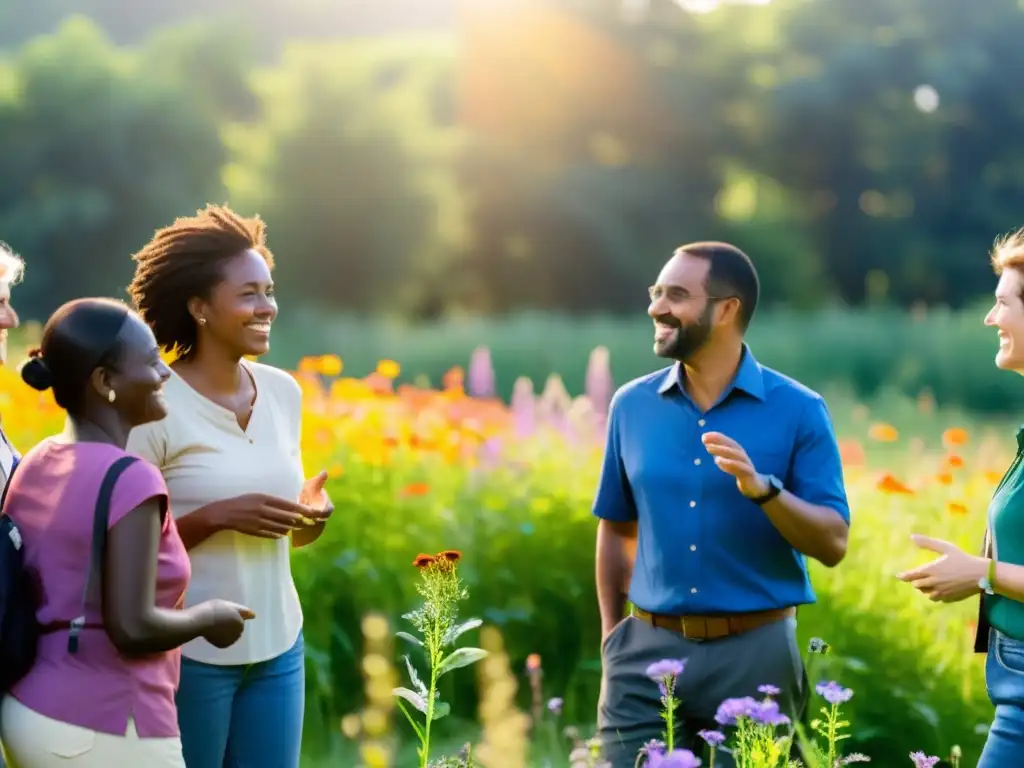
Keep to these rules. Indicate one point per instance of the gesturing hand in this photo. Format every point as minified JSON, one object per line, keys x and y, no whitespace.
{"x":315,"y":497}
{"x":733,"y":460}
{"x":265,"y":516}
{"x":948,"y":579}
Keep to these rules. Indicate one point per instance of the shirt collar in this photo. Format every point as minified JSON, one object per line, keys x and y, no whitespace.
{"x":749,"y":377}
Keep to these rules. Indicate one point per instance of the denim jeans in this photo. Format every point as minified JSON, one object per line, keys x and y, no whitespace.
{"x":243,"y":716}
{"x":1004,"y":677}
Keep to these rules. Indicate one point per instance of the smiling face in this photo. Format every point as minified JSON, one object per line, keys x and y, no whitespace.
{"x":137,"y":376}
{"x":684,"y":315}
{"x":241,"y":307}
{"x":1007,"y":317}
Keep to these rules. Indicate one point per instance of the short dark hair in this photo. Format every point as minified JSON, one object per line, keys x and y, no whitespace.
{"x":184,"y":261}
{"x":81,"y":336}
{"x":730,"y":273}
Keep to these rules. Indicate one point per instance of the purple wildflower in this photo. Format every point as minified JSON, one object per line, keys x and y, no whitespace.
{"x":599,"y":384}
{"x":921,"y":760}
{"x":677,"y":758}
{"x":767,"y":713}
{"x":555,"y":706}
{"x":481,"y":378}
{"x":652,"y":746}
{"x":732,"y":709}
{"x":768,"y":690}
{"x":665,"y":673}
{"x":659,"y":670}
{"x":523,"y":407}
{"x":712,"y":738}
{"x":854,"y":757}
{"x":833,"y":692}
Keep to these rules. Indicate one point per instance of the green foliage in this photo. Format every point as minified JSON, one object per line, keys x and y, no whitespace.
{"x":528,"y":535}
{"x":84,"y":174}
{"x":869,"y":353}
{"x":350,"y":163}
{"x":415,"y":161}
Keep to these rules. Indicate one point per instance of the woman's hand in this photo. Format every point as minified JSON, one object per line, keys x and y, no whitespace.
{"x":264,"y":516}
{"x":949,"y":579}
{"x":315,"y":497}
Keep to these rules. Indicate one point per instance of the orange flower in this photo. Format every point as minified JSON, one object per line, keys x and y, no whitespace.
{"x":453,"y":379}
{"x":889,"y":484}
{"x":955,"y":436}
{"x":424,"y":561}
{"x":883,"y":433}
{"x":416,"y":489}
{"x":945,"y":478}
{"x":956,"y":508}
{"x":451,"y":555}
{"x":954,"y":461}
{"x":533,"y":662}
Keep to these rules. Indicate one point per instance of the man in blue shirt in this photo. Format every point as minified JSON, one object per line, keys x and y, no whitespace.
{"x":721,"y":475}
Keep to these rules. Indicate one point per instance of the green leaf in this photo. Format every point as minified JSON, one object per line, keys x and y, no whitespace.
{"x":415,"y":726}
{"x":441,"y":709}
{"x":460,"y":657}
{"x":409,"y":638}
{"x":415,"y":678}
{"x":418,"y":701}
{"x":454,"y":633}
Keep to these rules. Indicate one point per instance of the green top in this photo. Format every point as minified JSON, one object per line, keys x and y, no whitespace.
{"x":1006,"y":524}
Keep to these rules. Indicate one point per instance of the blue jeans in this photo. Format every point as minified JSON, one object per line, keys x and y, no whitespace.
{"x":243,"y":716}
{"x":1004,"y":677}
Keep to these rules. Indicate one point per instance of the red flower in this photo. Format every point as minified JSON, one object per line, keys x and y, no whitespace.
{"x":424,"y":561}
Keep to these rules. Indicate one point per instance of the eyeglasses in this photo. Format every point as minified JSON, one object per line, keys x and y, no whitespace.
{"x":680,"y":294}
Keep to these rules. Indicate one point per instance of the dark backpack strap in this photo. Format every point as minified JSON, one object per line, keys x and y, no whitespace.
{"x":7,"y":487}
{"x":100,"y":521}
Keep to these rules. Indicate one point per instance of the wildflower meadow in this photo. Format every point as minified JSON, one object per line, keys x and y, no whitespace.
{"x":496,"y":496}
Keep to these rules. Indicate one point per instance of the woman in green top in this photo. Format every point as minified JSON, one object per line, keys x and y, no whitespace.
{"x":998,"y":576}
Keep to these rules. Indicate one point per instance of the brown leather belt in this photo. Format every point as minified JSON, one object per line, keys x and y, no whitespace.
{"x":714,"y":627}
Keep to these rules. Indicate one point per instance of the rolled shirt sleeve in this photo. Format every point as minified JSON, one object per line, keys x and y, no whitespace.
{"x":817,"y":469}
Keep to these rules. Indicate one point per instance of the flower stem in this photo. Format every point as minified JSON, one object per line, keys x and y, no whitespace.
{"x":833,"y":718}
{"x":670,"y":706}
{"x":434,"y":652}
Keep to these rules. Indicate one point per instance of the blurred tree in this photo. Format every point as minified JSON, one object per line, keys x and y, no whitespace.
{"x":98,"y":151}
{"x":350,"y":164}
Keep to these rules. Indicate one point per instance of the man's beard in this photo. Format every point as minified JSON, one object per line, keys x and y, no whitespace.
{"x":687,"y":339}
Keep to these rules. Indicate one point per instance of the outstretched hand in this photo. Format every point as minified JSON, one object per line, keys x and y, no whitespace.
{"x":948,"y":579}
{"x":315,"y":497}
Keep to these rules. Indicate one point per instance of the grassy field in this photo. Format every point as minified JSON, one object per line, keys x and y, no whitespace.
{"x":423,"y":470}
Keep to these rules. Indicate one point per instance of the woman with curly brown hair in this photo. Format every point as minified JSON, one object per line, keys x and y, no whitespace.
{"x":229,"y":452}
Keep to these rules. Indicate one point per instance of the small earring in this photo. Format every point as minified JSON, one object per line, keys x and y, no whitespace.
{"x":111,"y":396}
{"x":202,"y":321}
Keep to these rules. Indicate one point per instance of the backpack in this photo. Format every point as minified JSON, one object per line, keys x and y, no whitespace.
{"x":19,"y":629}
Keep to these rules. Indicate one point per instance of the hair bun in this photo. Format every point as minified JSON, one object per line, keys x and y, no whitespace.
{"x":35,"y":372}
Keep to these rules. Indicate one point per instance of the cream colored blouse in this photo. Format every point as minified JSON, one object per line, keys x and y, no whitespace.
{"x":205,"y":456}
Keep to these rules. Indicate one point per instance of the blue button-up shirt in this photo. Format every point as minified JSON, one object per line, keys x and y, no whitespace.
{"x":703,"y":548}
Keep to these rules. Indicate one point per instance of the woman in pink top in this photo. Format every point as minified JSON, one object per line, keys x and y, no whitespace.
{"x":112,"y":702}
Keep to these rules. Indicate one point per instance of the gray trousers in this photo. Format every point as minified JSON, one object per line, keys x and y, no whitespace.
{"x":629,"y":711}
